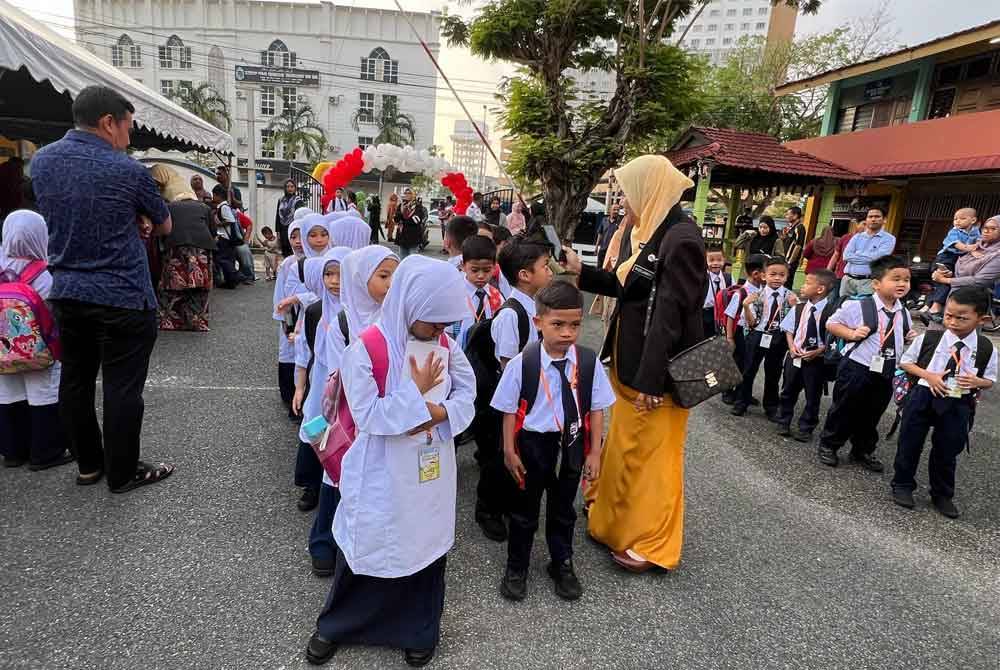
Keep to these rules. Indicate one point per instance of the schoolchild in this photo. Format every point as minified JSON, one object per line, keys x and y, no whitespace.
{"x":30,"y":429}
{"x":735,"y":320}
{"x":458,"y":230}
{"x":396,"y":519}
{"x":365,"y":276}
{"x":478,"y":260}
{"x":501,"y":237}
{"x":718,"y":282}
{"x":805,"y":370}
{"x":876,"y":328}
{"x":553,"y":396}
{"x":949,"y":369}
{"x":763,"y":312}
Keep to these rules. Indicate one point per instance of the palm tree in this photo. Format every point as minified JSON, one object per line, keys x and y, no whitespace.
{"x":394,"y":126}
{"x":204,"y":102}
{"x":297,"y":131}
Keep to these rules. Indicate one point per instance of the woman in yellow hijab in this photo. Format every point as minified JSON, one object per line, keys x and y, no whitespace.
{"x":637,"y":503}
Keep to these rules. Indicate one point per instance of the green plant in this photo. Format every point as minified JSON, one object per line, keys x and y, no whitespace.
{"x":204,"y":102}
{"x":394,"y":126}
{"x":298,"y":133}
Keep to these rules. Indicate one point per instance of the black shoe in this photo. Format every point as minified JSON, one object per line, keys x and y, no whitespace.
{"x":493,"y":527}
{"x":418,"y":658}
{"x":827,"y":456}
{"x":738,"y":410}
{"x":309,"y":499}
{"x":754,"y":402}
{"x":514,"y":585}
{"x":567,"y":585}
{"x":904,"y":499}
{"x":10,"y":462}
{"x":946,"y":507}
{"x":784,"y":430}
{"x":319,"y":651}
{"x":728,"y":398}
{"x":869,"y":462}
{"x":323,"y":567}
{"x":62,"y":459}
{"x":802,"y":436}
{"x":773,"y":418}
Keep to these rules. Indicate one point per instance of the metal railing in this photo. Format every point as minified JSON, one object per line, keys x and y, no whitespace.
{"x":310,"y":190}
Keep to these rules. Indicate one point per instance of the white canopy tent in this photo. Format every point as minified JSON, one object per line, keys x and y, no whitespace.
{"x":41,"y":71}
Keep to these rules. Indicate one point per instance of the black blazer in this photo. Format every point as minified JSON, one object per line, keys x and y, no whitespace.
{"x":681,"y":276}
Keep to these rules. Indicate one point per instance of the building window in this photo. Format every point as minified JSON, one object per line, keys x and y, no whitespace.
{"x":710,"y":42}
{"x":762,"y":11}
{"x":695,"y":43}
{"x":730,"y":27}
{"x":184,"y":86}
{"x":761,"y":26}
{"x":726,"y":41}
{"x":278,"y":55}
{"x":748,"y":11}
{"x":166,"y":57}
{"x":174,"y":51}
{"x":290,"y":99}
{"x":730,"y":12}
{"x":266,"y":136}
{"x":697,"y":28}
{"x":364,"y":141}
{"x":267,"y":100}
{"x":366,"y":108}
{"x":217,"y":70}
{"x":714,"y":12}
{"x":744,"y":26}
{"x":124,"y":46}
{"x":379,"y":67}
{"x":167,"y":87}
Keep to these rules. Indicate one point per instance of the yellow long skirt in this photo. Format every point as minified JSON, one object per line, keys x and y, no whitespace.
{"x":638,"y":499}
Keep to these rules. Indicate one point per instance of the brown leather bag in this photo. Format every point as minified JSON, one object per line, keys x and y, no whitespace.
{"x":702,"y":371}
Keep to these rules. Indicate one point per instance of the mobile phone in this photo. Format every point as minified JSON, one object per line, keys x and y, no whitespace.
{"x":553,"y":237}
{"x":942,"y":268}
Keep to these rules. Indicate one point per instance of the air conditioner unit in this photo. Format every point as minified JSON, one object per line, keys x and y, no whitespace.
{"x":240,"y":95}
{"x":241,"y":141}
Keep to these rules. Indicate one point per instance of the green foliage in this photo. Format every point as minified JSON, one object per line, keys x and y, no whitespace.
{"x":298,"y":133}
{"x":393,"y":126}
{"x":204,"y":102}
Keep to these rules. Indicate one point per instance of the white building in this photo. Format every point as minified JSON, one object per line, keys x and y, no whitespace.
{"x":468,"y":152}
{"x":721,"y":25}
{"x":364,"y":57}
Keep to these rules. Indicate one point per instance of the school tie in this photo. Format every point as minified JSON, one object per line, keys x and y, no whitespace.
{"x":812,"y":332}
{"x":718,"y":288}
{"x":481,"y":295}
{"x":570,"y":415}
{"x":774,"y":311}
{"x":889,"y":346}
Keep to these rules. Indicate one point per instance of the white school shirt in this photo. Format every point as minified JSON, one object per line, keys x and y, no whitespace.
{"x":456,"y":261}
{"x":288,"y":284}
{"x":388,"y":524}
{"x":506,"y":338}
{"x":850,"y":315}
{"x":735,"y":308}
{"x":789,"y":325}
{"x":710,"y":297}
{"x":504,"y":286}
{"x":944,"y":351}
{"x":461,"y":329}
{"x":544,"y":415}
{"x":770,"y":295}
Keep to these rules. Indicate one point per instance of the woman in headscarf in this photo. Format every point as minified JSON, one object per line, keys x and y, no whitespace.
{"x":411,"y":217}
{"x":390,"y":217}
{"x":818,"y":252}
{"x":766,"y":240}
{"x":283,"y":217}
{"x":396,"y":520}
{"x":979,"y":267}
{"x":637,"y":504}
{"x":348,"y":230}
{"x":171,"y":185}
{"x":186,"y":279}
{"x":494,"y":215}
{"x":515,"y":220}
{"x":30,"y":429}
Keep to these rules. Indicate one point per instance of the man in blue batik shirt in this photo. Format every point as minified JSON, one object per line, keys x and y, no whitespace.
{"x":99,"y":204}
{"x":867,"y":245}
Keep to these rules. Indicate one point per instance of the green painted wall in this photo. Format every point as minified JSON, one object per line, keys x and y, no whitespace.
{"x":701,"y":198}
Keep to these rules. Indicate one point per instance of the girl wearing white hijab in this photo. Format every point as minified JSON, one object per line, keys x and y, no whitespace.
{"x":396,"y":520}
{"x":30,"y":429}
{"x":350,"y":231}
{"x":286,"y":350}
{"x":364,"y":281}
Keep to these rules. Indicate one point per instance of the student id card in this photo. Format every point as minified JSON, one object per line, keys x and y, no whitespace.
{"x":765,"y":341}
{"x":796,"y":362}
{"x":954,"y":390}
{"x":877,"y":364}
{"x":429,"y":463}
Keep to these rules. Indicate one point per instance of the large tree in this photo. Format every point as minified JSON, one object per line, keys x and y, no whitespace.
{"x":298,"y":132}
{"x":204,"y":102}
{"x":392,"y":125}
{"x":564,"y":139}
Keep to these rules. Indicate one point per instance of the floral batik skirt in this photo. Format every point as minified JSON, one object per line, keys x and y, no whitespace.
{"x":184,"y":287}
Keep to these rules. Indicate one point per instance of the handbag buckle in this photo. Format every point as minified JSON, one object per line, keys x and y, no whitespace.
{"x":711,"y":380}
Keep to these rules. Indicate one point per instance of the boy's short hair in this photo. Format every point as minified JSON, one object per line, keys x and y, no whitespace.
{"x":220,"y":191}
{"x":558,"y":295}
{"x":479,"y":248}
{"x":265,"y":230}
{"x":482,"y":225}
{"x":775,"y":260}
{"x":519,"y":255}
{"x":880,"y":267}
{"x":824,"y":278}
{"x":977,"y":298}
{"x":755,"y":262}
{"x":714,"y":249}
{"x":461,"y":228}
{"x":501,"y":234}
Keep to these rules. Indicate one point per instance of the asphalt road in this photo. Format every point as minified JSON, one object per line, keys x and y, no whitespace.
{"x":787,"y":564}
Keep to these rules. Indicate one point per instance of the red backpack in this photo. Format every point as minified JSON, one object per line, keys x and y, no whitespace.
{"x":722,"y":300}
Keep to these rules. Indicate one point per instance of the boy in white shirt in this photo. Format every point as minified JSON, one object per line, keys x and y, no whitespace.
{"x":949,"y":369}
{"x":735,"y":323}
{"x":526,"y":266}
{"x":552,"y":395}
{"x":478,"y":259}
{"x":718,"y":281}
{"x":456,"y":232}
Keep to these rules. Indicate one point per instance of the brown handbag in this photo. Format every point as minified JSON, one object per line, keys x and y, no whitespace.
{"x":702,"y":371}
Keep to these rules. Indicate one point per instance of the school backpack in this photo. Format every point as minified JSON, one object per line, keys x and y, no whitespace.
{"x":341,"y":430}
{"x":837,"y":349}
{"x":29,"y":337}
{"x":722,"y":300}
{"x":903,"y":383}
{"x":481,"y":351}
{"x":531,"y":370}
{"x":825,"y":314}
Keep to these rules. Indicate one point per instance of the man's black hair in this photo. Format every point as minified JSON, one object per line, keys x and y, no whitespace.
{"x":93,"y":102}
{"x":479,"y":248}
{"x":558,"y":295}
{"x":461,"y":228}
{"x":796,"y":209}
{"x":477,"y":194}
{"x":501,"y":234}
{"x":976,"y":297}
{"x":879,"y":208}
{"x":825,"y":278}
{"x":880,"y":267}
{"x":519,"y":255}
{"x":220,"y":191}
{"x":755,"y":262}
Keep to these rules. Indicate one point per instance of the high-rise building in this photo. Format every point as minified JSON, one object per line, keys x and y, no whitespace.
{"x":723,"y":23}
{"x":469,"y":153}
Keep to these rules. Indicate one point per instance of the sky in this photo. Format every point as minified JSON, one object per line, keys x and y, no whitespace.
{"x":915,"y":20}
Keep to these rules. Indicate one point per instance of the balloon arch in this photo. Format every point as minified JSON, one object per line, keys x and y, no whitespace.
{"x":405,"y":159}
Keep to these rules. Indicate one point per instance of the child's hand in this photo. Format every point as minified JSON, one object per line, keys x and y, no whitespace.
{"x":910,"y":336}
{"x":514,"y":466}
{"x":286,"y":304}
{"x":793,"y":298}
{"x":297,"y":400}
{"x":592,"y":466}
{"x":969,"y":382}
{"x":749,"y":300}
{"x":428,"y":376}
{"x":860,"y":333}
{"x":815,"y":353}
{"x":937,"y":384}
{"x":291,"y":337}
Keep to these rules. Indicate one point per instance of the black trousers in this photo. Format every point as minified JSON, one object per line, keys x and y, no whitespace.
{"x":283,"y":241}
{"x":739,"y":352}
{"x":308,"y":470}
{"x":118,"y":343}
{"x":225,"y":259}
{"x":286,"y":382}
{"x":808,"y":378}
{"x":949,"y":419}
{"x":860,"y":397}
{"x":540,"y":455}
{"x":771,"y":359}
{"x":496,"y":487}
{"x":31,"y":433}
{"x":708,"y":321}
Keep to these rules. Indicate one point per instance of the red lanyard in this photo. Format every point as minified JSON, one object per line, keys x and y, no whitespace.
{"x":548,"y":394}
{"x":800,"y":335}
{"x":473,"y":309}
{"x":886,"y":331}
{"x":777,"y":312}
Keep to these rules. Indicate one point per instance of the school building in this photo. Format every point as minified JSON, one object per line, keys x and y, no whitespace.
{"x":921,"y":126}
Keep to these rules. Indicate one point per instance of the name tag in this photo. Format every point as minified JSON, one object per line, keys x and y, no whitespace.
{"x":796,"y":362}
{"x":429,"y":463}
{"x":877,"y":364}
{"x":765,"y":341}
{"x":954,"y":390}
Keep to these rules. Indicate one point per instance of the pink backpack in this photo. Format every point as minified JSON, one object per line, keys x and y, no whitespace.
{"x":29,"y":338}
{"x":341,"y":432}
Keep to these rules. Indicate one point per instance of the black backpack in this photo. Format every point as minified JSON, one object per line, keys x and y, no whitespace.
{"x":314,"y":313}
{"x":296,"y":310}
{"x":481,"y":351}
{"x":837,"y":349}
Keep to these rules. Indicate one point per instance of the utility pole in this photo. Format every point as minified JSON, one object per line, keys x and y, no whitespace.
{"x":252,"y":152}
{"x":482,"y":157}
